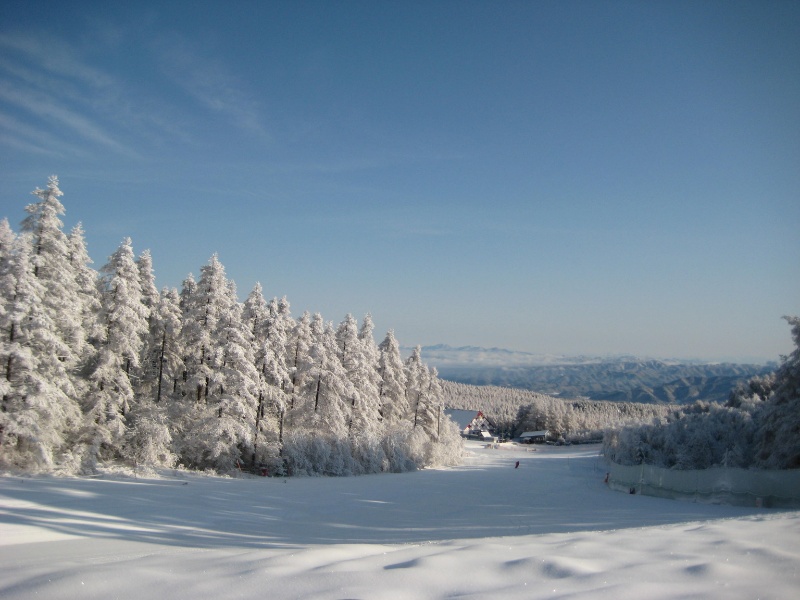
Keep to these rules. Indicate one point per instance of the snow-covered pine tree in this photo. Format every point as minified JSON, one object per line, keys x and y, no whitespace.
{"x":430,"y":410}
{"x":51,"y":265}
{"x":38,"y":414}
{"x":299,"y":360}
{"x":203,"y":310}
{"x":7,"y":238}
{"x":366,"y":380}
{"x":188,"y":290}
{"x":7,"y":244}
{"x":318,"y":438}
{"x":416,"y":383}
{"x":360,"y":373}
{"x":151,"y":347}
{"x":324,"y":391}
{"x":86,"y":279}
{"x":147,"y":280}
{"x":239,"y":384}
{"x":187,"y":295}
{"x":111,"y":391}
{"x":278,"y":334}
{"x":254,"y":315}
{"x":222,"y":372}
{"x":392,"y":387}
{"x":149,"y":437}
{"x":363,"y":427}
{"x":274,"y":370}
{"x":366,"y":335}
{"x":368,"y":427}
{"x":165,"y":340}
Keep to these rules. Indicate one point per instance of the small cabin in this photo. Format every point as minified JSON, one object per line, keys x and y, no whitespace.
{"x":533,"y":437}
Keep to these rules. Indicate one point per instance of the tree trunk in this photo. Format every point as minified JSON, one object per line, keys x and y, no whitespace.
{"x":316,"y":397}
{"x":259,"y":414}
{"x":161,"y":366}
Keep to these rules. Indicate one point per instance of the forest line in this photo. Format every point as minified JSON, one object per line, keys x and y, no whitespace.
{"x":100,"y":367}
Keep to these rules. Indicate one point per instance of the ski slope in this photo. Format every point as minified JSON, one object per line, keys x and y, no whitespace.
{"x":549,"y":529}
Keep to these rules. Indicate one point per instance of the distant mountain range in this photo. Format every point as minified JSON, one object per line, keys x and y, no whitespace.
{"x":615,"y":378}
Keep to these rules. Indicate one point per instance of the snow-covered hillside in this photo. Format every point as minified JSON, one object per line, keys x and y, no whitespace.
{"x":548,"y":529}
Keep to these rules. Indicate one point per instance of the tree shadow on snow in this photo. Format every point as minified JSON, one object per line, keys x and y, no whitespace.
{"x":485,"y":498}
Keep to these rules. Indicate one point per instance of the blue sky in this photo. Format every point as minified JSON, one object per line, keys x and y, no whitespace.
{"x":564,"y":177}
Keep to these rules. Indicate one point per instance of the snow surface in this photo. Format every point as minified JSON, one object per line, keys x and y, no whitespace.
{"x":549,"y":529}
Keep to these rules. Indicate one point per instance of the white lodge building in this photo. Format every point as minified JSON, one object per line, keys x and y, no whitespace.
{"x":472,"y":424}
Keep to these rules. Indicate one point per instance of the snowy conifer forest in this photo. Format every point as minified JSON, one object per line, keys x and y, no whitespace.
{"x":100,"y":368}
{"x":513,"y":411}
{"x":759,"y":427}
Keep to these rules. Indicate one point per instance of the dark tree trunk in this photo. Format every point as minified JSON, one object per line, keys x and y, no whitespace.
{"x":161,"y":365}
{"x":259,"y":414}
{"x":316,"y":397}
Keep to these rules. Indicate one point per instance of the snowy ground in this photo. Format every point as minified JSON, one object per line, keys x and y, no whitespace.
{"x":550,"y":529}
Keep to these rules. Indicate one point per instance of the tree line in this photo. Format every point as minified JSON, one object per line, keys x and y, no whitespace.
{"x":100,"y":367}
{"x":514,"y":411}
{"x":758,"y":427}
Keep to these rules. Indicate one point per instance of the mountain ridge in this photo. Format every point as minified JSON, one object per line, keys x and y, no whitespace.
{"x":621,"y":378}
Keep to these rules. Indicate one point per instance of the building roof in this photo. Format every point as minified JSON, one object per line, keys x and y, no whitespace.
{"x":462,"y":418}
{"x":542,"y":433}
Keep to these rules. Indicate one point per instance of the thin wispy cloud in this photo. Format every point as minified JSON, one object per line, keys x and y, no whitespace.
{"x":55,"y":57}
{"x":56,"y":92}
{"x":210,"y":83}
{"x":29,"y":139}
{"x":45,"y":107}
{"x":50,"y":89}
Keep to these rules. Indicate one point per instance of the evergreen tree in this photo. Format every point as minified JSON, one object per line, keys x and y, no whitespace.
{"x":358,"y":357}
{"x":151,"y":347}
{"x":38,"y":413}
{"x":7,"y":281}
{"x":7,"y":238}
{"x":165,"y":341}
{"x":298,"y":358}
{"x":222,"y":372}
{"x":255,"y":315}
{"x":325,"y":390}
{"x":188,"y":290}
{"x":366,"y":335}
{"x":239,"y":383}
{"x":274,"y":370}
{"x":203,"y":309}
{"x":86,"y":279}
{"x":52,"y":266}
{"x":392,"y":387}
{"x":111,"y":392}
{"x":416,"y":379}
{"x":147,"y":280}
{"x":187,"y":295}
{"x":430,"y":409}
{"x":149,"y":436}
